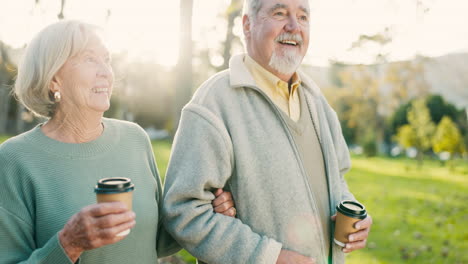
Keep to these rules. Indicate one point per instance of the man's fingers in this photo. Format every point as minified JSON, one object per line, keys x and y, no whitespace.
{"x":101,"y":209}
{"x":223,"y":207}
{"x":365,"y":223}
{"x":360,"y":235}
{"x":354,"y":246}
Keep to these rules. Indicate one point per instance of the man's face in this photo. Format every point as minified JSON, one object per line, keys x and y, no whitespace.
{"x":278,"y":36}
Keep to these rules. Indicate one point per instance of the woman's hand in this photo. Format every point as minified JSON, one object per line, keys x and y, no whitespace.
{"x":95,"y":226}
{"x":223,"y":203}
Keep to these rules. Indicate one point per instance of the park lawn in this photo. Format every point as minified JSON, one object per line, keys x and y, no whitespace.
{"x":3,"y":138}
{"x":419,"y":214}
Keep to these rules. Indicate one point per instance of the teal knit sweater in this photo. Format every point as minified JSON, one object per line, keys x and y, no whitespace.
{"x":44,"y":182}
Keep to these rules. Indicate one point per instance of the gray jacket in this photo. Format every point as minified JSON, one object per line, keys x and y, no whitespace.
{"x":232,"y":136}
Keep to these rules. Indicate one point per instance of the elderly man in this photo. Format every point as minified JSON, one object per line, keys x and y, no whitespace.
{"x":264,"y":131}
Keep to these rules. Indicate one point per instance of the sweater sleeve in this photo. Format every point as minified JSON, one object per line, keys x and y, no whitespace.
{"x":202,"y":160}
{"x":165,"y":243}
{"x":17,"y":242}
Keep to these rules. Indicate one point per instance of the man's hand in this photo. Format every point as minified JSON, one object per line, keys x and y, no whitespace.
{"x":291,"y":257}
{"x":358,"y":239}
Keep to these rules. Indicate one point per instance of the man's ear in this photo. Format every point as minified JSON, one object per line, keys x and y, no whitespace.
{"x":246,"y":25}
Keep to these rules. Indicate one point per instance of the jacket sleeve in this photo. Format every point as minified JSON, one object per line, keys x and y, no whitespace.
{"x":17,"y":242}
{"x":342,"y":155}
{"x":202,"y":160}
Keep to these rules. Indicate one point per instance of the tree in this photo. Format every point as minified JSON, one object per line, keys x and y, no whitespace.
{"x":438,"y":108}
{"x":6,"y":79}
{"x":358,"y":106}
{"x":184,"y":83}
{"x":418,"y":133}
{"x":406,"y":136}
{"x":406,"y":80}
{"x":233,"y":11}
{"x":448,"y":137}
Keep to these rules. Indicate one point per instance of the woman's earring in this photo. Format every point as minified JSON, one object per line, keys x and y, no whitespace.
{"x":57,"y":96}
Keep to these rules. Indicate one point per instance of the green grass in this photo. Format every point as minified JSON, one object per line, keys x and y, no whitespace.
{"x":162,"y":151}
{"x":3,"y":138}
{"x":420,"y":215}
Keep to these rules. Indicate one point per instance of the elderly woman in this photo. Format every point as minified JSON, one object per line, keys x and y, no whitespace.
{"x":47,"y":205}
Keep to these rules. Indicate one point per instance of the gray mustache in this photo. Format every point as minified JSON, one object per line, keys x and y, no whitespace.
{"x":288,"y":36}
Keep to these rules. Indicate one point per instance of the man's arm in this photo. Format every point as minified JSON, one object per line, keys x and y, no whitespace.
{"x":202,"y":160}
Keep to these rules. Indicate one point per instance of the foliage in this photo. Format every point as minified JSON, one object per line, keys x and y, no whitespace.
{"x":448,"y":137}
{"x":418,"y":133}
{"x":406,"y":136}
{"x":438,"y":108}
{"x":369,"y":144}
{"x":420,"y":121}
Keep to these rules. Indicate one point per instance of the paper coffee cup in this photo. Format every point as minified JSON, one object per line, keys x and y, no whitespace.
{"x":115,"y":189}
{"x":348,"y":213}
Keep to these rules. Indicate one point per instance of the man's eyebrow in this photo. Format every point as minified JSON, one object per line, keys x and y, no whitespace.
{"x":304,"y":9}
{"x":277,"y":6}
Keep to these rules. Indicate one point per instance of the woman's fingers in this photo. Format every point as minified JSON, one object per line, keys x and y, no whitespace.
{"x":96,"y":225}
{"x":111,"y":220}
{"x":223,"y":203}
{"x":101,"y":209}
{"x":224,"y":207}
{"x":218,"y":192}
{"x":222,"y":198}
{"x":230,"y":212}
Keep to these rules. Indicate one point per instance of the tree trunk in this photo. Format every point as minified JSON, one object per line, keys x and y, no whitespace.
{"x":4,"y":91}
{"x":20,"y":124}
{"x":184,"y":65}
{"x":233,"y":11}
{"x":420,"y":157}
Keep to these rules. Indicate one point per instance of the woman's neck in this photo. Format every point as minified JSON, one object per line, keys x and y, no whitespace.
{"x":74,"y":129}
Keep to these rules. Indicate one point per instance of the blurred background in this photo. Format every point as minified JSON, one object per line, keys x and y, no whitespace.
{"x":395,"y":71}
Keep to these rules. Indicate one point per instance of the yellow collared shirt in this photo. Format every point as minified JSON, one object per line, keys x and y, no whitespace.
{"x":286,"y":99}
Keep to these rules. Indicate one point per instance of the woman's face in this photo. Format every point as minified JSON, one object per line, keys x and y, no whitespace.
{"x":85,"y":80}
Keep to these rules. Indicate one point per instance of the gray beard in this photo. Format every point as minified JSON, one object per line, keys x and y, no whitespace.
{"x":286,"y":64}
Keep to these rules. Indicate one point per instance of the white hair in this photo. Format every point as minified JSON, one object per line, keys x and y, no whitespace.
{"x":252,"y":7}
{"x":288,"y":62}
{"x":43,"y":58}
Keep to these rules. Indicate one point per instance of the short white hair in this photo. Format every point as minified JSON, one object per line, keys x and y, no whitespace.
{"x":252,"y":7}
{"x":44,"y":56}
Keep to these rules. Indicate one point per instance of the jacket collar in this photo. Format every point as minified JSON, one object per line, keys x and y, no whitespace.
{"x":241,"y":77}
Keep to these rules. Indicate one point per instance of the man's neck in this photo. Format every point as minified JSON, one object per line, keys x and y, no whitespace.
{"x":284,"y":77}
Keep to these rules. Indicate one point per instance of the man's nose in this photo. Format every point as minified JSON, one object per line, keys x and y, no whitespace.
{"x":292,"y":25}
